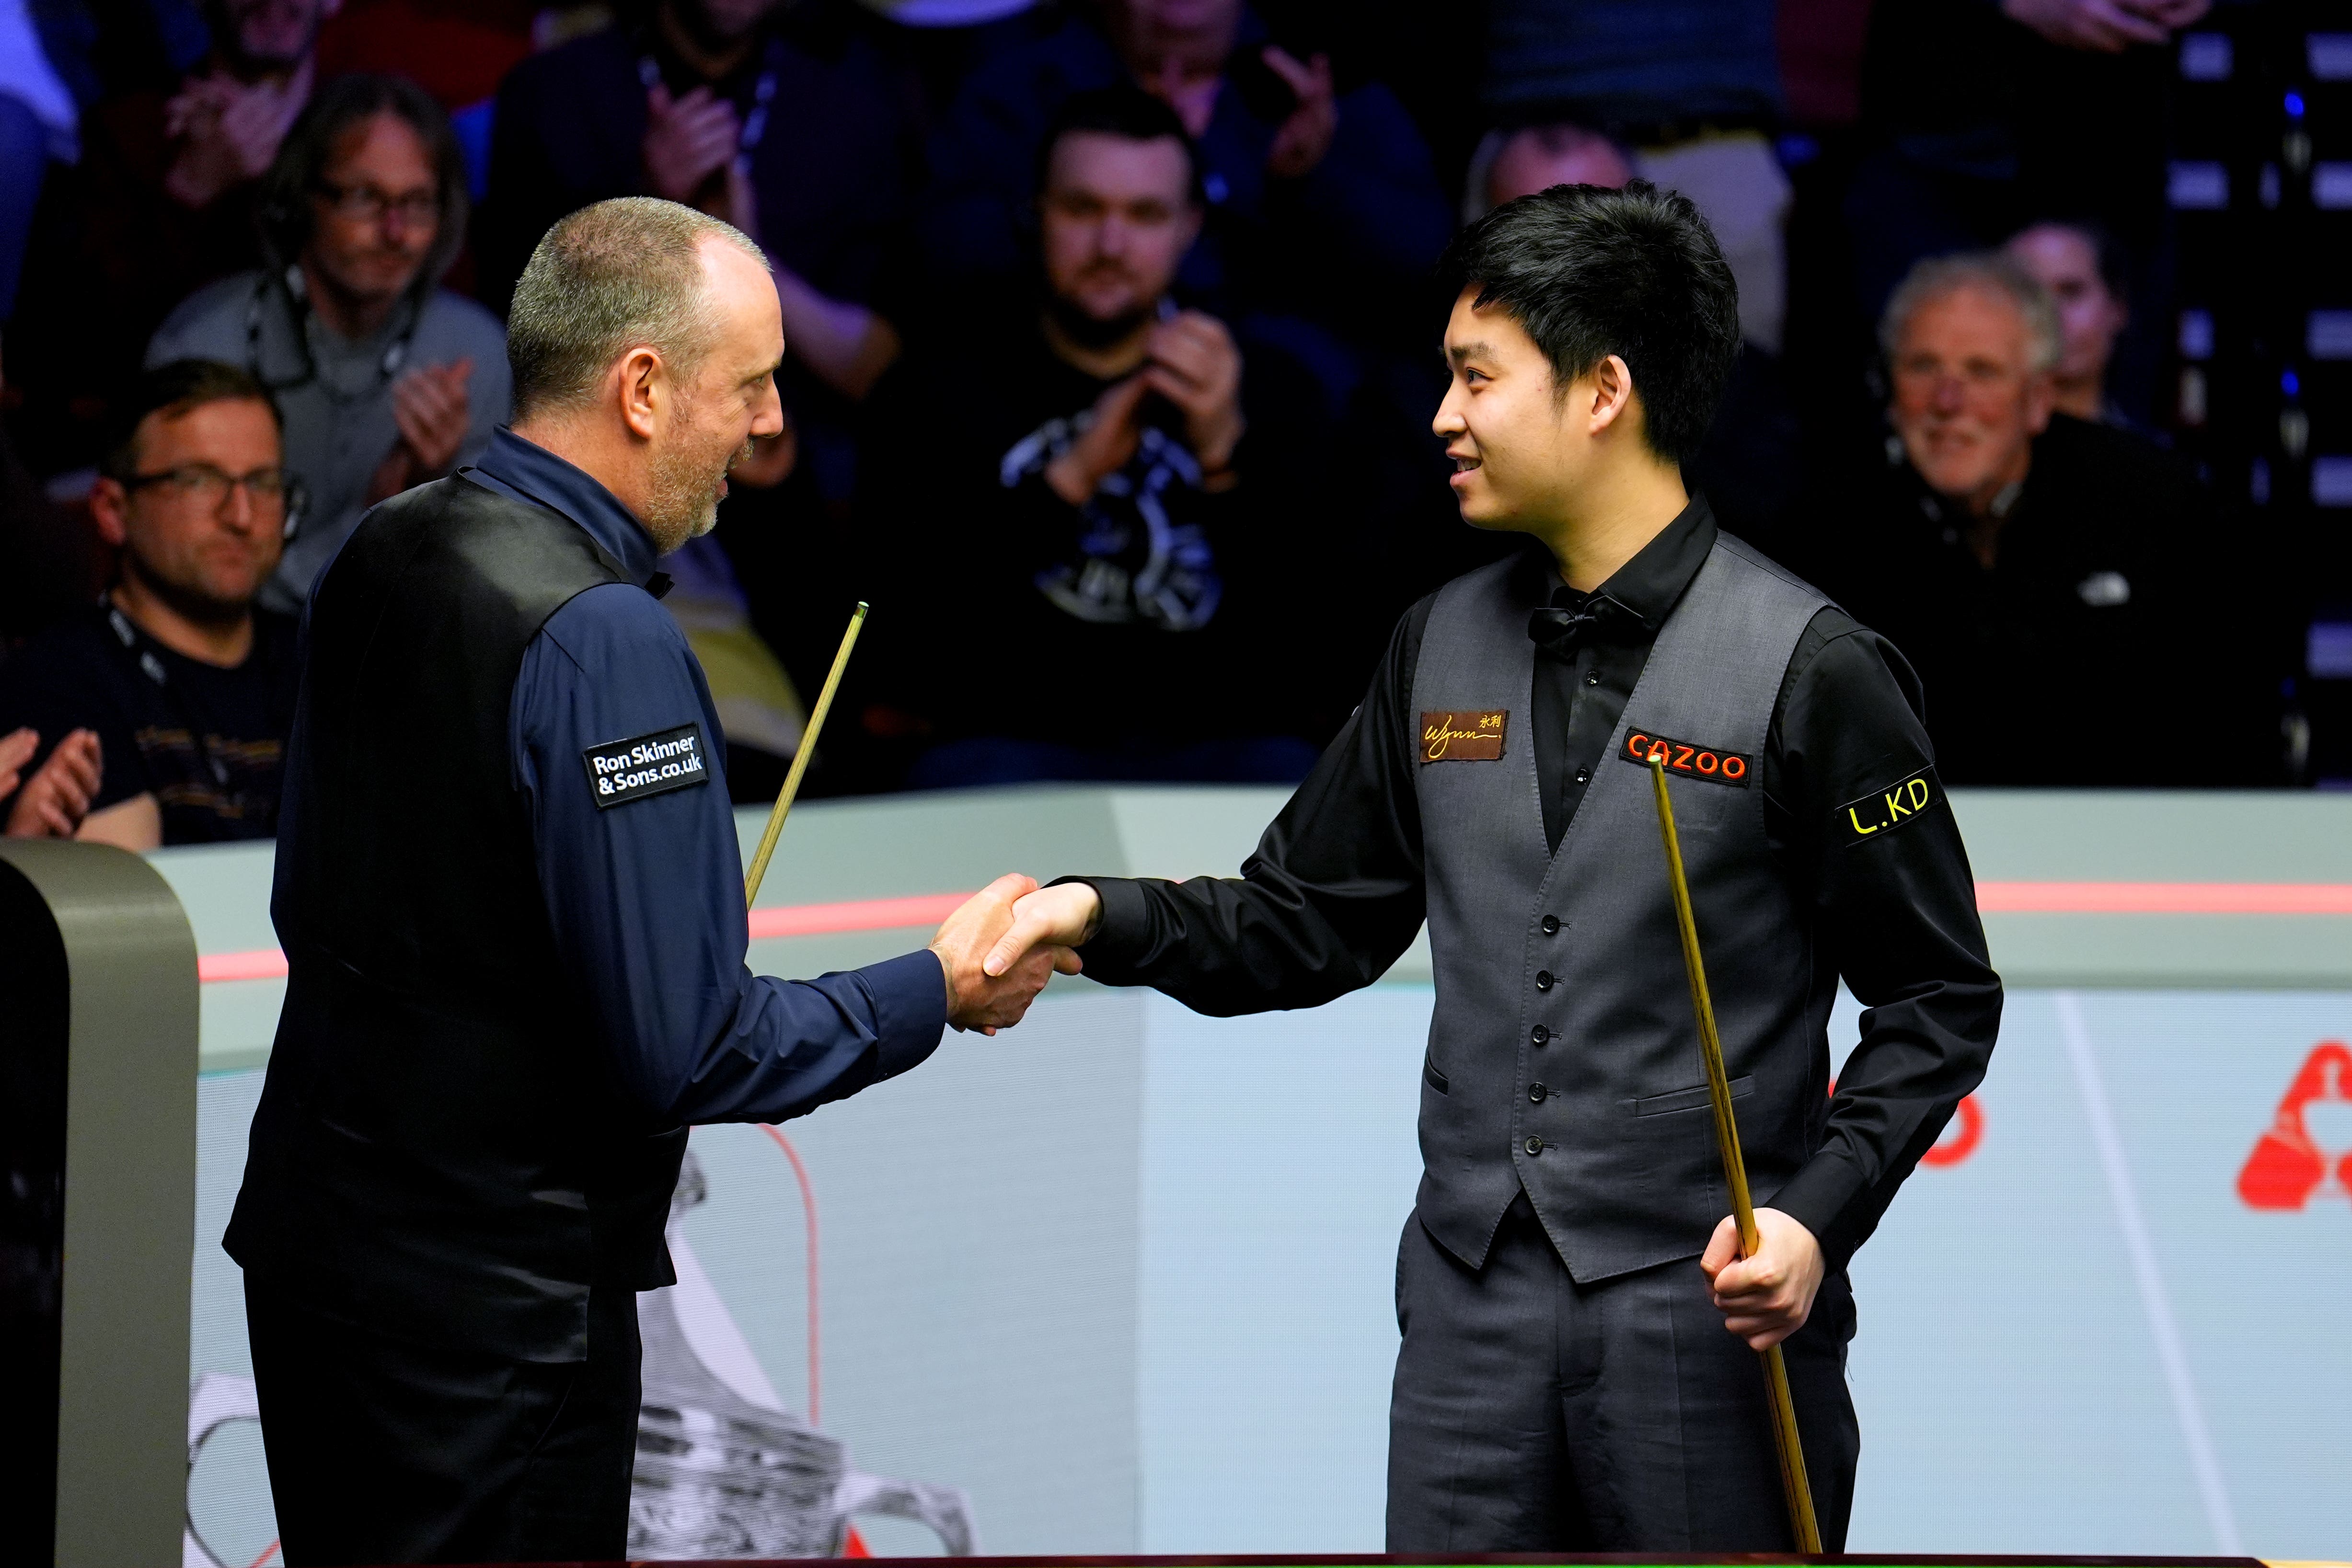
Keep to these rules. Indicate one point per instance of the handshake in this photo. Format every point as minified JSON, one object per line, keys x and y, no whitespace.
{"x":1006,"y":940}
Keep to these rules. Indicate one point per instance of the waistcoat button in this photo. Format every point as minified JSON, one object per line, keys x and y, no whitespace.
{"x":1535,"y":1145}
{"x":1538,"y":1035}
{"x":1536,"y":1092}
{"x":1551,"y":925}
{"x":1543,"y":979}
{"x":1584,"y":776}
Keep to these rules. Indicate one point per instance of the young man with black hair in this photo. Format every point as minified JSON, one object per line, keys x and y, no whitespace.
{"x":1565,"y":1380}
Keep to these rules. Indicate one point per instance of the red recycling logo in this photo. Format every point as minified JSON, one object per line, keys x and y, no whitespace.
{"x":2288,"y":1166}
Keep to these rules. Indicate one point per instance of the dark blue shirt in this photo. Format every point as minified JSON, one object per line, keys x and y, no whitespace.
{"x":646,"y":897}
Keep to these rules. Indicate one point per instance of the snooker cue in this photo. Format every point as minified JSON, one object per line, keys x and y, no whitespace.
{"x":807,"y":749}
{"x":1793,"y":1485}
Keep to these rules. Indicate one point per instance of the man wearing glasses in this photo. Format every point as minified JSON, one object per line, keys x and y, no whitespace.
{"x":387,"y":381}
{"x":170,"y":698}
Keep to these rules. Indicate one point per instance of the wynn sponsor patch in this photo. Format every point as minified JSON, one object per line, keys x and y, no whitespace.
{"x":1475,"y":735}
{"x":623,"y":771}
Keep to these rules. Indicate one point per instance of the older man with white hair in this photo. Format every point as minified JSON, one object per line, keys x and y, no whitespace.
{"x":509,"y":892}
{"x":2041,"y":573}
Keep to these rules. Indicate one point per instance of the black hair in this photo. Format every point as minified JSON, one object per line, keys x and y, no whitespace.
{"x":1588,"y":272}
{"x":300,"y":171}
{"x":174,"y":389}
{"x":1127,"y":112}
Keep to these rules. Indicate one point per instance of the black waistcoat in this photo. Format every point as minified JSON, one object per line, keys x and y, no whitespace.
{"x":440,"y":1152}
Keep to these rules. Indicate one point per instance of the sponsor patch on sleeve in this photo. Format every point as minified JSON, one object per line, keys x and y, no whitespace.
{"x":1712,"y":763}
{"x":623,"y":771}
{"x":1883,"y":810}
{"x":1474,"y":735}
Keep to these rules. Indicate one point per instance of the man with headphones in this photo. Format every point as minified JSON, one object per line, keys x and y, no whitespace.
{"x":385,"y":380}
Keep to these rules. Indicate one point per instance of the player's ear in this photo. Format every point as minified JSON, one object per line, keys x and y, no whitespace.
{"x":1613,"y":391}
{"x":643,"y":384}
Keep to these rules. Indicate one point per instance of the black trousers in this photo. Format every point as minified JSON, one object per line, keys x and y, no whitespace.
{"x":1533,"y":1414}
{"x":382,"y":1451}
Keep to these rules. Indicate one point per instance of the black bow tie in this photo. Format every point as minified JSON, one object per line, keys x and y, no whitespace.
{"x":1558,"y":632}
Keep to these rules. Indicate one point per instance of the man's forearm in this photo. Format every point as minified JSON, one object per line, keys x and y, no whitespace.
{"x":1225,"y":946}
{"x":848,"y":346}
{"x":1890,"y":1109}
{"x":794,"y":1045}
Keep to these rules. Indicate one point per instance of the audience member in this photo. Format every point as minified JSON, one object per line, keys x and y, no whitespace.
{"x":1096,"y":483}
{"x":2077,"y":267}
{"x":187,"y":686}
{"x":1982,"y":117}
{"x":1692,"y":85}
{"x":383,"y":380}
{"x":1323,"y":205}
{"x":787,"y":123}
{"x":165,"y":198}
{"x":1509,"y":165}
{"x":2040,"y":571}
{"x":181,"y":186}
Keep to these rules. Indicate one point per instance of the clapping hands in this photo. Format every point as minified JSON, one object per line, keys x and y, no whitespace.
{"x":992,"y":998}
{"x":687,"y":141}
{"x":431,"y":413}
{"x":1191,"y":361}
{"x":227,"y":134}
{"x":56,"y":797}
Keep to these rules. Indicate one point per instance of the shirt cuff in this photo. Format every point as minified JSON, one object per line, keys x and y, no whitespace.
{"x":1124,"y":928}
{"x":1817,"y":1197}
{"x":910,"y":1010}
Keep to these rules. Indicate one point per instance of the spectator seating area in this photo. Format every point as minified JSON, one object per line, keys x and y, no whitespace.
{"x":1114,"y":321}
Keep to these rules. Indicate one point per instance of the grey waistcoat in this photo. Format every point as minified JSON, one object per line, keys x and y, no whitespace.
{"x":1616,"y":1147}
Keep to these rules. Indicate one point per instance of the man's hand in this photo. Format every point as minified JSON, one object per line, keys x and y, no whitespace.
{"x":16,"y":749}
{"x":1194,"y":366}
{"x":430,"y":406}
{"x":1767,"y":1297}
{"x":54,"y":800}
{"x":1302,"y":139}
{"x":431,"y":411}
{"x":228,"y":133}
{"x":1055,"y":918}
{"x":989,"y":1000}
{"x":1104,"y":447}
{"x":687,"y":139}
{"x":2104,"y":27}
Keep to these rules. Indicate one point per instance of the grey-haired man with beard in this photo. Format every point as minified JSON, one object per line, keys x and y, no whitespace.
{"x":509,"y":896}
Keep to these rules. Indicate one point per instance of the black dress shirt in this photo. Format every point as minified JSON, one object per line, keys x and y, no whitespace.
{"x":1335,"y":892}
